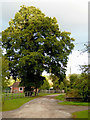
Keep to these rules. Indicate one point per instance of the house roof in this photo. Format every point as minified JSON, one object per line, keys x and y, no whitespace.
{"x":16,"y":84}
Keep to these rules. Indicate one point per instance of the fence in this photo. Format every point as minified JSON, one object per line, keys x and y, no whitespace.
{"x":8,"y":96}
{"x":51,"y":91}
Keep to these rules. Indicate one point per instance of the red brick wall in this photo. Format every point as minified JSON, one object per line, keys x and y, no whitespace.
{"x":16,"y":90}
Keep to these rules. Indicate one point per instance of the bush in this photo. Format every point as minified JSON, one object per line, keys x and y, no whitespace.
{"x":73,"y":93}
{"x":79,"y":86}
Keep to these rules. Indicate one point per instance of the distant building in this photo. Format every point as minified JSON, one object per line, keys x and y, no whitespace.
{"x":15,"y":88}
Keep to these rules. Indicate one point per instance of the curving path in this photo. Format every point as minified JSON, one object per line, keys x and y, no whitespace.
{"x":43,"y":107}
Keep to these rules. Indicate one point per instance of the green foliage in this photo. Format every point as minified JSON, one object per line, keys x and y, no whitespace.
{"x":85,"y":68}
{"x":80,"y":85}
{"x":62,"y":98}
{"x":66,"y":85}
{"x":45,"y":85}
{"x":0,"y":71}
{"x":5,"y":72}
{"x":66,"y":82}
{"x":57,"y":84}
{"x":11,"y":81}
{"x":55,"y":81}
{"x":83,"y":86}
{"x":73,"y":78}
{"x":61,"y":86}
{"x":73,"y":93}
{"x":34,"y":43}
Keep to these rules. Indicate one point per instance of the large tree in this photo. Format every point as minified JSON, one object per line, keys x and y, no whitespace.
{"x":34,"y":43}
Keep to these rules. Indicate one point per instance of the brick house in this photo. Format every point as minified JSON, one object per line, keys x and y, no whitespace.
{"x":15,"y":88}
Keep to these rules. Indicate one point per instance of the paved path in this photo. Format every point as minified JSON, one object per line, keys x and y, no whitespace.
{"x":44,"y":107}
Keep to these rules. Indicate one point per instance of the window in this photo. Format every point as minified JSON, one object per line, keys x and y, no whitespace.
{"x":20,"y":89}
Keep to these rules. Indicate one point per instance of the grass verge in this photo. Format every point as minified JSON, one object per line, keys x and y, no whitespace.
{"x":61,"y":97}
{"x":15,"y":103}
{"x":80,"y":114}
{"x":12,"y":104}
{"x":44,"y":94}
{"x":74,"y":103}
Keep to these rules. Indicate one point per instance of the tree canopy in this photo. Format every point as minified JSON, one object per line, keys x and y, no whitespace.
{"x":34,"y":43}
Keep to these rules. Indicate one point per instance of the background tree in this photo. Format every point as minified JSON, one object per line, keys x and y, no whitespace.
{"x":11,"y":81}
{"x":5,"y":72}
{"x":66,"y":84}
{"x":55,"y":81}
{"x":83,"y":86}
{"x":73,"y":78}
{"x":62,"y":87}
{"x":34,"y":43}
{"x":80,"y":86}
{"x":45,"y":85}
{"x":86,"y":68}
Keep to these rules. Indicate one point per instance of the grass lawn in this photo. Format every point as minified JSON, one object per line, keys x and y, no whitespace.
{"x":80,"y":114}
{"x":12,"y":104}
{"x":15,"y":103}
{"x":74,"y":103}
{"x":44,"y":94}
{"x":61,"y":97}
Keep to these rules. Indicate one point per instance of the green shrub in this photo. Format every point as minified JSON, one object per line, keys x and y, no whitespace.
{"x":73,"y":93}
{"x":80,"y":85}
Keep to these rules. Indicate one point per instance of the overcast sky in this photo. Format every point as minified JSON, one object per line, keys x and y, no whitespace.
{"x":72,"y":16}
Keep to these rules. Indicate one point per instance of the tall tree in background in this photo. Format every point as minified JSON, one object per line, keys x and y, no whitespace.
{"x":45,"y":85}
{"x":5,"y":72}
{"x":34,"y":43}
{"x":86,"y":68}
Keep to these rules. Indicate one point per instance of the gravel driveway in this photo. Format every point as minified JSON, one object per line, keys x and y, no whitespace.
{"x":43,"y":107}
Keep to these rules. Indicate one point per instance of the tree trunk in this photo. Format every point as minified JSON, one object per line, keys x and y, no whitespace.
{"x":35,"y":91}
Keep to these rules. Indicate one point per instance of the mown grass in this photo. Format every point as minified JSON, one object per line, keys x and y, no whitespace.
{"x":81,"y":114}
{"x":44,"y":94}
{"x":11,"y":104}
{"x":62,"y":98}
{"x":15,"y":103}
{"x":74,"y":103}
